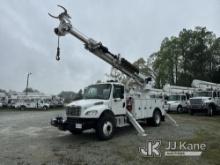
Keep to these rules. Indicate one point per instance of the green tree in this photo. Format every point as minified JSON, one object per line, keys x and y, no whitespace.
{"x":141,"y":64}
{"x":67,"y":95}
{"x":194,"y":54}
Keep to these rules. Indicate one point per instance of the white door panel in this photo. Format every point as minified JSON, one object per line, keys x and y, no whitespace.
{"x":118,"y":100}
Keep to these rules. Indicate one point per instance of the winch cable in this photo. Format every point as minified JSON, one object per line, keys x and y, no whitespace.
{"x":58,"y":49}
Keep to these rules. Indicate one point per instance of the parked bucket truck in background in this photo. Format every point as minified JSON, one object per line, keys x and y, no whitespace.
{"x":177,"y":98}
{"x":206,"y":98}
{"x":3,"y":99}
{"x":31,"y":103}
{"x":109,"y":105}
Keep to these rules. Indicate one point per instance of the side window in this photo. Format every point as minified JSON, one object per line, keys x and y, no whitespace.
{"x":166,"y":97}
{"x":214,"y":94}
{"x":152,"y":96}
{"x":118,"y":91}
{"x":187,"y":96}
{"x":183,"y":98}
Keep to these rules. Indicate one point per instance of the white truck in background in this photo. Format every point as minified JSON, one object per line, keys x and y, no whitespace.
{"x":177,"y":98}
{"x":109,"y":105}
{"x":3,"y":99}
{"x":206,"y":98}
{"x":28,"y":103}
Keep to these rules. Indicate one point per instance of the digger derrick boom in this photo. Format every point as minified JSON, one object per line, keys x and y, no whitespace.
{"x":98,"y":49}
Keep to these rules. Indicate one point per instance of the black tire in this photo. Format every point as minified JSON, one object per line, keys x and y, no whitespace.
{"x":156,"y":119}
{"x":179,"y":109}
{"x":76,"y":132}
{"x":22,"y":108}
{"x":210,"y":111}
{"x":45,"y":108}
{"x":105,"y":127}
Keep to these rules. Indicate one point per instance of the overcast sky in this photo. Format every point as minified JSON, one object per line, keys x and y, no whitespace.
{"x":133,"y":28}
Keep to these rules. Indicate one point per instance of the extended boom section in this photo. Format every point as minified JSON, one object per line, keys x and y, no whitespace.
{"x":98,"y":49}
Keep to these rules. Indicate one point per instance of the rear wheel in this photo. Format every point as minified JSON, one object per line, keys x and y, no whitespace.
{"x":156,"y":119}
{"x":45,"y":108}
{"x":23,"y":108}
{"x":105,"y":127}
{"x":210,"y":110}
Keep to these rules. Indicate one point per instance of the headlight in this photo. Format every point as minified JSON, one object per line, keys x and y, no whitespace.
{"x":91,"y":113}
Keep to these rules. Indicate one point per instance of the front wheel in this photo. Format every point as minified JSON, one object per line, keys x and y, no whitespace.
{"x":45,"y":108}
{"x":105,"y":127}
{"x":180,"y":109}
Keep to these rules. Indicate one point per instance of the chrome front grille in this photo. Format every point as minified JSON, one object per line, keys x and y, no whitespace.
{"x":195,"y":101}
{"x":73,"y":111}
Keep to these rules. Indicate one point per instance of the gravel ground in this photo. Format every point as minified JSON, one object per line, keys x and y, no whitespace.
{"x":26,"y":137}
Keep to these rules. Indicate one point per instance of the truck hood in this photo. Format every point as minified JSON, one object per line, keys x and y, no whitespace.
{"x":85,"y":103}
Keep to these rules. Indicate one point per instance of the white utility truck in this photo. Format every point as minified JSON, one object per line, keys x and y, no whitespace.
{"x":3,"y":99}
{"x":206,"y":98}
{"x":109,"y":105}
{"x":30,"y":103}
{"x":178,"y":98}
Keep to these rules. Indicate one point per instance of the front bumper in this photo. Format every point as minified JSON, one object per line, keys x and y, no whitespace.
{"x":171,"y":107}
{"x":198,"y":108}
{"x":73,"y":123}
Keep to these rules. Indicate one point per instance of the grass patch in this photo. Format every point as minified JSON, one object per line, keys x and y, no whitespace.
{"x":211,"y":139}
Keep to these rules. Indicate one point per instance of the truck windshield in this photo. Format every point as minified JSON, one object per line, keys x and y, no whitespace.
{"x":173,"y":98}
{"x":99,"y":91}
{"x":203,"y":94}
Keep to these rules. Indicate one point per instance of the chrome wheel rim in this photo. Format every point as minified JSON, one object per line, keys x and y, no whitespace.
{"x":157,"y":118}
{"x":107,"y":128}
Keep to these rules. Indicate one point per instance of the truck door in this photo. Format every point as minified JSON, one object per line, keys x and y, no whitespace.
{"x":184,"y":101}
{"x":40,"y":103}
{"x":32,"y":103}
{"x":118,"y":100}
{"x":218,"y":100}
